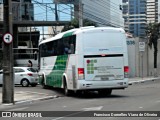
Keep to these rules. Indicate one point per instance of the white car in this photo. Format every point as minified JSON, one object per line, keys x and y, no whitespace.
{"x":24,"y":76}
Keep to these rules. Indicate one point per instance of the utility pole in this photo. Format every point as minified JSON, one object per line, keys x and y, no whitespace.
{"x":56,"y":16}
{"x":8,"y":79}
{"x":80,"y":13}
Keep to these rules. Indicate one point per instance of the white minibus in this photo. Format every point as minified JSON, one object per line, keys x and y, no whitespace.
{"x":85,"y":59}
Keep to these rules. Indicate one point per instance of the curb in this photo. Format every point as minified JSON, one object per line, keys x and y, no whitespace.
{"x":143,"y":81}
{"x":35,"y":100}
{"x":30,"y":101}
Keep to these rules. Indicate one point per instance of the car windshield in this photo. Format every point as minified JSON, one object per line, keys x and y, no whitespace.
{"x":32,"y":69}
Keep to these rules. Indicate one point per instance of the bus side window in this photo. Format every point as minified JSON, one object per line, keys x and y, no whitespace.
{"x":60,"y":48}
{"x":72,"y":42}
{"x":50,"y":49}
{"x":66,"y":45}
{"x":72,"y":48}
{"x":69,"y":46}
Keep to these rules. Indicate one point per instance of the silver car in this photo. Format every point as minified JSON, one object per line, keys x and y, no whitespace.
{"x":24,"y":76}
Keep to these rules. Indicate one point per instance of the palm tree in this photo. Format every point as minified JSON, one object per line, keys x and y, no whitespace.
{"x":153,"y":35}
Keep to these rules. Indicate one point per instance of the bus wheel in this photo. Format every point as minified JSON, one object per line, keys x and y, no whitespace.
{"x":101,"y":92}
{"x":105,"y":92}
{"x":43,"y":83}
{"x":108,"y":91}
{"x":66,"y":91}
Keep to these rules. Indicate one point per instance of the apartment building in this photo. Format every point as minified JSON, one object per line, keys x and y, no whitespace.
{"x":152,"y":11}
{"x":139,"y":13}
{"x":135,"y":16}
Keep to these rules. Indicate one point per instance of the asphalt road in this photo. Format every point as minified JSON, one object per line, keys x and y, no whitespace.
{"x":140,"y":97}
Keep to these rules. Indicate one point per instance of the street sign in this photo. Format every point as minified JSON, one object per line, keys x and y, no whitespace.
{"x":7,"y":38}
{"x":141,"y":46}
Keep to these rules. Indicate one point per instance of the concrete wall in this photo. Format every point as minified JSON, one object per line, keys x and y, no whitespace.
{"x":131,"y":56}
{"x":141,"y":63}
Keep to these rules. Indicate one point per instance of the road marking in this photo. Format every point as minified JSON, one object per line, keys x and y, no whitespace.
{"x":93,"y":108}
{"x":68,"y":115}
{"x":18,"y":109}
{"x":140,"y":107}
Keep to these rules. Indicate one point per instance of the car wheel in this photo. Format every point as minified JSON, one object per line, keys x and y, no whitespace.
{"x":25,"y":83}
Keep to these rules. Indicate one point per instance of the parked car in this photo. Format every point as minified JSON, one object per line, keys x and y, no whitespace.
{"x":24,"y":76}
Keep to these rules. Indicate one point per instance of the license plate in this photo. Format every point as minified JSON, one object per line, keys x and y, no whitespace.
{"x":104,"y":78}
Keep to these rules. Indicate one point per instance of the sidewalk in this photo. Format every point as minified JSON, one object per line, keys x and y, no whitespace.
{"x":30,"y":97}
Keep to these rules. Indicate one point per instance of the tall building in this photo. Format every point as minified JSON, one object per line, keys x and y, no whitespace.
{"x":126,"y":14}
{"x":136,"y":18}
{"x":152,"y":11}
{"x":116,"y":13}
{"x":103,"y":12}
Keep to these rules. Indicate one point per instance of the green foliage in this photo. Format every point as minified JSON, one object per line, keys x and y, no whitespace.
{"x":152,"y":33}
{"x":75,"y":24}
{"x":152,"y":27}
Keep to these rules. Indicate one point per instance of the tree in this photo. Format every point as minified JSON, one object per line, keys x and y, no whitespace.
{"x":75,"y":24}
{"x":153,"y":34}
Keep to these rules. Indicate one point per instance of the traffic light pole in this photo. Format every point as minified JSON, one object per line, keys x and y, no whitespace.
{"x":8,"y":79}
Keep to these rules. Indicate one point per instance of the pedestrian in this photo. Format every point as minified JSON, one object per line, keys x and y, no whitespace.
{"x":30,"y":63}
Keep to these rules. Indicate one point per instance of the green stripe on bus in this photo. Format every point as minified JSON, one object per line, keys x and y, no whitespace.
{"x":55,"y":77}
{"x":68,"y":34}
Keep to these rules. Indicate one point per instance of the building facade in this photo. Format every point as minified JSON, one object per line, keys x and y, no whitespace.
{"x":139,"y":13}
{"x":135,"y":16}
{"x":103,"y":12}
{"x":125,"y":5}
{"x":152,"y":11}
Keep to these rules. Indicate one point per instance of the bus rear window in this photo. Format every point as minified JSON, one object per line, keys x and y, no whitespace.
{"x":103,"y":40}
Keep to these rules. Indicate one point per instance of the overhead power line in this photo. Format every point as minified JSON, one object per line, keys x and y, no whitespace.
{"x":99,"y":18}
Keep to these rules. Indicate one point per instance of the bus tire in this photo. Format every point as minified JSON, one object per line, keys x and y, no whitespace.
{"x":66,"y":91}
{"x":108,"y":91}
{"x":43,"y":83}
{"x":105,"y":92}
